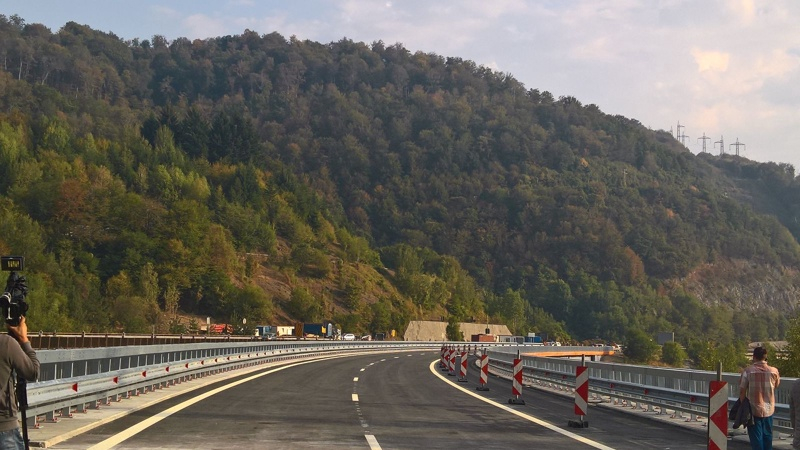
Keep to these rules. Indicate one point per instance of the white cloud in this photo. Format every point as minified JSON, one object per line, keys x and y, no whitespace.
{"x":200,"y":26}
{"x":744,"y":10}
{"x":709,"y":60}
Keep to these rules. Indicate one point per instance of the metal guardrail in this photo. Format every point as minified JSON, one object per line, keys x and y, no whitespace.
{"x":55,"y":340}
{"x":679,"y":390}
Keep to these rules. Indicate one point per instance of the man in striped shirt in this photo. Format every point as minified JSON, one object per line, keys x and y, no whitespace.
{"x":758,"y":384}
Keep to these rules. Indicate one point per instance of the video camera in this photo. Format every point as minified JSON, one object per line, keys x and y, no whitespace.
{"x":12,"y":302}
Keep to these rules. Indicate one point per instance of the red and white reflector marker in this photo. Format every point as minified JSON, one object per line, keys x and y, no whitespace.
{"x":718,"y":415}
{"x":581,"y":397}
{"x":452,"y":363}
{"x":484,"y":365}
{"x":462,"y":374}
{"x":516,"y":385}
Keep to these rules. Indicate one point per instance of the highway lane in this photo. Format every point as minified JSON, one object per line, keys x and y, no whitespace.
{"x":389,"y":401}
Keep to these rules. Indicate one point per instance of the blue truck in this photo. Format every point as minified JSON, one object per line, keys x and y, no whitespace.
{"x":324,"y":330}
{"x":531,"y":338}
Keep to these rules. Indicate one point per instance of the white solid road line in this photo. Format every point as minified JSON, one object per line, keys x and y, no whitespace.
{"x":373,"y":443}
{"x":528,"y":417}
{"x":150,"y":421}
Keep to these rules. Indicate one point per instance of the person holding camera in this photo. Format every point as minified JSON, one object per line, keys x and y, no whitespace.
{"x":16,"y":355}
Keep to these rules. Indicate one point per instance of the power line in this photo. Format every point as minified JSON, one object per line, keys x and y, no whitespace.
{"x":721,"y":143}
{"x":704,"y":138}
{"x":738,"y":144}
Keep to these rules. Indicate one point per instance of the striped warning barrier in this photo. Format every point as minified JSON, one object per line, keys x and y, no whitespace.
{"x":581,"y":396}
{"x":441,"y":357}
{"x":581,"y":390}
{"x":516,"y":385}
{"x":484,"y":365}
{"x":718,"y":415}
{"x":452,"y":363}
{"x":462,"y":374}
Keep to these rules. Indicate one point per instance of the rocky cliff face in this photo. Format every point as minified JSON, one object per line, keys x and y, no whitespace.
{"x":745,"y":286}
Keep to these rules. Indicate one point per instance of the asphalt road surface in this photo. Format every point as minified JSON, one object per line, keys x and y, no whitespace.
{"x":398,"y":400}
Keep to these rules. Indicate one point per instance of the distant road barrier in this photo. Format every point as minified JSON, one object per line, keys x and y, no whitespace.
{"x":55,"y":340}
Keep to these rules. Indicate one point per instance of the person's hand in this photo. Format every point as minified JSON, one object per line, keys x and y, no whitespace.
{"x":19,"y":331}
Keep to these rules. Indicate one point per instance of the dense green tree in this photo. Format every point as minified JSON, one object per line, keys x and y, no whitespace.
{"x":730,"y":357}
{"x":788,"y":362}
{"x":673,"y":354}
{"x":304,"y":306}
{"x":453,"y":331}
{"x":639,"y":346}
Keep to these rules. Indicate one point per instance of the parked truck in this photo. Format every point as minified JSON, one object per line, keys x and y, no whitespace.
{"x":325,"y":330}
{"x":221,"y":328}
{"x":532,"y":338}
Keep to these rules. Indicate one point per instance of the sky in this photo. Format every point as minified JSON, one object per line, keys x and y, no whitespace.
{"x":726,"y":70}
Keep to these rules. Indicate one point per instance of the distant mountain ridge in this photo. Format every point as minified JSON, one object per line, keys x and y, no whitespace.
{"x":473,"y":195}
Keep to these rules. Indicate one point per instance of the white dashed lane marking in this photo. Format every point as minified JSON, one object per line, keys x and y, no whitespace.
{"x":371,"y":440}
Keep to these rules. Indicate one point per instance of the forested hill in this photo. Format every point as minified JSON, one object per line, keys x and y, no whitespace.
{"x":382,"y":185}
